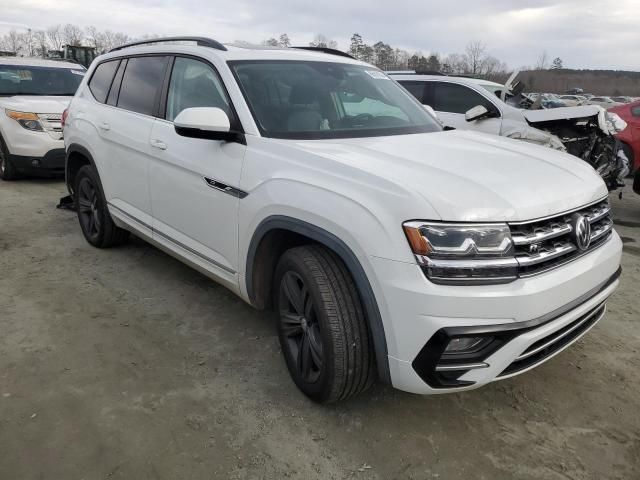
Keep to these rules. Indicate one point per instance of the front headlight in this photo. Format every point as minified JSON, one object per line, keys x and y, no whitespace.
{"x":29,"y":121}
{"x":462,"y":253}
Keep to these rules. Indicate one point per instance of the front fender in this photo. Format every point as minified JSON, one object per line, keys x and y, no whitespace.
{"x":358,"y":266}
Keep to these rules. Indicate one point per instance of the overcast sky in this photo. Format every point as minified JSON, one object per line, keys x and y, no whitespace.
{"x":584,"y":33}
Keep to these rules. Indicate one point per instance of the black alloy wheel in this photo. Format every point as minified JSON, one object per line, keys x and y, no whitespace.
{"x":88,"y":208}
{"x":300,"y":327}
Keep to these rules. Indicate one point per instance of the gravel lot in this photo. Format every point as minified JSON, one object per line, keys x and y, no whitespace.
{"x":127,"y":364}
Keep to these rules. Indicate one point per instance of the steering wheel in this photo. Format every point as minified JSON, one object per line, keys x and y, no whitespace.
{"x":360,"y":119}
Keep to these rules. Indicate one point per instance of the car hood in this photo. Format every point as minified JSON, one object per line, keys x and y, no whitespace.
{"x":467,"y":176}
{"x":609,"y":122}
{"x":36,"y":103}
{"x":563,"y":113}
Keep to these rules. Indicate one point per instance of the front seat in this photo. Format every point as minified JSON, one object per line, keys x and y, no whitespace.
{"x":304,"y":116}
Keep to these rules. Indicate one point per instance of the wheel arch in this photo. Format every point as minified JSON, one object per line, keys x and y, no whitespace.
{"x":76,"y":157}
{"x":277,"y":233}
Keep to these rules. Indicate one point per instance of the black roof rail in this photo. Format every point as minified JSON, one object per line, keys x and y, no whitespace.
{"x":430,"y":72}
{"x":330,"y":51}
{"x":201,"y":41}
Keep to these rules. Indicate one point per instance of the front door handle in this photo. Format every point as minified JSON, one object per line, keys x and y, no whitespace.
{"x":104,"y":126}
{"x":158,"y":144}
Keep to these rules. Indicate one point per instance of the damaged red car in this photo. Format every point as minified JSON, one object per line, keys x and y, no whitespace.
{"x":630,"y":137}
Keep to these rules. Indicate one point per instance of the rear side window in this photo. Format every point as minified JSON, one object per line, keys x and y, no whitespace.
{"x":454,"y":98}
{"x":415,"y":88}
{"x":141,"y":84}
{"x":101,"y":80}
{"x":635,"y":111}
{"x":112,"y":99}
{"x":194,"y":84}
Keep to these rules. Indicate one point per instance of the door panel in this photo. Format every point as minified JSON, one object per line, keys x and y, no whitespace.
{"x":126,"y":143}
{"x":126,"y":130}
{"x":188,"y":177}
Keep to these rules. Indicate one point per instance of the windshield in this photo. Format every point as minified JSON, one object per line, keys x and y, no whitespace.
{"x":315,"y":100}
{"x":28,"y":80}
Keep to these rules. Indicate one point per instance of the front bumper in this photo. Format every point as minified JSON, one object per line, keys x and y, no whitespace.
{"x":526,"y":314}
{"x":51,"y":162}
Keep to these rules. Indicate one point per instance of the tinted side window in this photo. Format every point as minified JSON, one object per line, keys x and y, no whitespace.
{"x":415,"y":88}
{"x":141,"y":84}
{"x":453,"y":98}
{"x":101,"y":80}
{"x":194,"y":84}
{"x":112,"y":99}
{"x":635,"y":111}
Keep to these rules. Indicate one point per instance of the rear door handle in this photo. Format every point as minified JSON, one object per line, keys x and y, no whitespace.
{"x":104,"y":126}
{"x":158,"y":144}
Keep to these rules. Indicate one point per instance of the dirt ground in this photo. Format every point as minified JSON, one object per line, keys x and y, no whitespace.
{"x":127,"y":364}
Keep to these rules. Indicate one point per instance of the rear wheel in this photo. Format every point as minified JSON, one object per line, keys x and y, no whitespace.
{"x":628,"y":151}
{"x":7,"y":170}
{"x":95,"y":221}
{"x":321,"y":325}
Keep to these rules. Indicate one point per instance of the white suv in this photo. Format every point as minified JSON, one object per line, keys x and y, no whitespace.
{"x":33,"y":94}
{"x":312,"y":183}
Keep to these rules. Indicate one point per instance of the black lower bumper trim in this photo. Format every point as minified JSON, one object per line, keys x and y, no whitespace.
{"x":432,"y":354}
{"x":52,"y":162}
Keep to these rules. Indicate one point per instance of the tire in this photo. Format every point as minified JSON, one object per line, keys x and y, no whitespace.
{"x":322,"y":328}
{"x":7,"y":169}
{"x":636,"y":182}
{"x":628,"y":151}
{"x":95,"y":221}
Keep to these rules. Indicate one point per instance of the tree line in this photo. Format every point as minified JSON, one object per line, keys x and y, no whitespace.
{"x":475,"y":60}
{"x":38,"y":43}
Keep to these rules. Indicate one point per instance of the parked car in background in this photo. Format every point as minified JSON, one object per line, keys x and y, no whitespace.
{"x":604,"y":102}
{"x":33,"y":94}
{"x":550,"y":100}
{"x":572,"y":100}
{"x":467,"y":104}
{"x":622,"y":99}
{"x":630,"y":136}
{"x":310,"y":182}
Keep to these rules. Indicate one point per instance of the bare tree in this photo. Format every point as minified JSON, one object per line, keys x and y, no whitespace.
{"x":72,"y":34}
{"x":54,"y":36}
{"x":475,"y":53}
{"x":27,"y":43}
{"x":284,"y":40}
{"x":13,"y":42}
{"x":95,"y":38}
{"x":271,"y":42}
{"x":120,"y":38}
{"x":456,"y":63}
{"x":321,"y":41}
{"x":40,"y":40}
{"x":542,"y":63}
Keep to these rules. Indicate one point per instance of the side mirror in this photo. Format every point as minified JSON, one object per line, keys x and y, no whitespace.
{"x":204,"y":122}
{"x":476,"y":113}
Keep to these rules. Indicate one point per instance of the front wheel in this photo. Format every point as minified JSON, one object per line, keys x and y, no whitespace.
{"x":95,"y":221}
{"x":322,"y":328}
{"x":7,"y":170}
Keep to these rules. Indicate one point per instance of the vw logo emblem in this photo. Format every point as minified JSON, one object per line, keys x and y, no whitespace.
{"x":581,"y":232}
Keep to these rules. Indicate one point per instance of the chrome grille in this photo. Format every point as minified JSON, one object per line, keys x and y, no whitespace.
{"x":52,"y":124}
{"x":541,"y":245}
